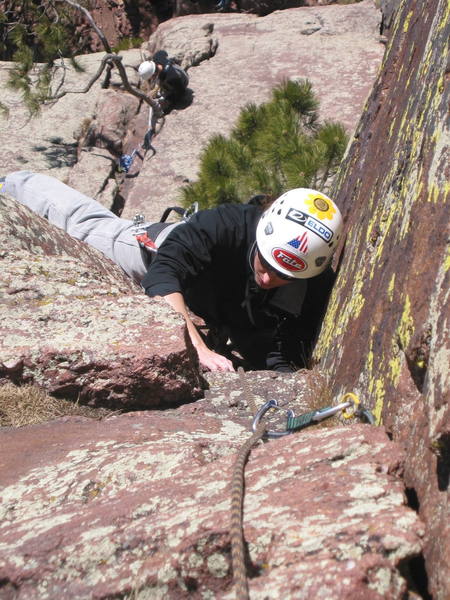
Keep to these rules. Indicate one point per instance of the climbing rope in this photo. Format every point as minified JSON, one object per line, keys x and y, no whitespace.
{"x":237,"y":516}
{"x":126,"y":160}
{"x":350,"y":407}
{"x":237,"y":498}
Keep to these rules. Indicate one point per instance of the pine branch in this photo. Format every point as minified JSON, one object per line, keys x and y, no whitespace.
{"x":117,"y":61}
{"x":50,"y":42}
{"x":273,"y":147}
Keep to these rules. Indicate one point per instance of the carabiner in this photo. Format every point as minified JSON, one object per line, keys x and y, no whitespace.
{"x":359,"y":410}
{"x":329,"y":411}
{"x":262,"y":411}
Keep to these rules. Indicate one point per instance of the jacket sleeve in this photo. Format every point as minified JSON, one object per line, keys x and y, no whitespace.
{"x":190,"y":248}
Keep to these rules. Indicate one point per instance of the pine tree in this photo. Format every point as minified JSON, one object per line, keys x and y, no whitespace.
{"x":273,"y":147}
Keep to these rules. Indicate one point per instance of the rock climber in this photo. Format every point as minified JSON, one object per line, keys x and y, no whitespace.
{"x":169,"y":76}
{"x":259,"y":278}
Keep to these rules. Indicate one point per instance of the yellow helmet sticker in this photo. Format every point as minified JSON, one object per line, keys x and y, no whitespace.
{"x":320,"y":207}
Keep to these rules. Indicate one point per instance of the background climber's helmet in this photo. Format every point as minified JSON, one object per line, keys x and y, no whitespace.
{"x":146,"y":69}
{"x":298,"y":233}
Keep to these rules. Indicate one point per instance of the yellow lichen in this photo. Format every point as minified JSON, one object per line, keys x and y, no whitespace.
{"x":447,"y":260}
{"x":406,"y":326}
{"x":387,"y":220}
{"x":391,"y":128}
{"x":369,"y":359}
{"x":445,"y":18}
{"x":45,"y":301}
{"x":379,"y":399}
{"x":433,"y":193}
{"x":395,"y":369}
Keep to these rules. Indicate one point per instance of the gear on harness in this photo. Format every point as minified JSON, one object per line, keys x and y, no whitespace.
{"x":155,"y":113}
{"x":160,"y":230}
{"x":126,"y":160}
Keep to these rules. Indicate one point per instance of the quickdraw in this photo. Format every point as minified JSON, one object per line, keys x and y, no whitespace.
{"x":155,"y":113}
{"x":350,"y":407}
{"x":295,"y":423}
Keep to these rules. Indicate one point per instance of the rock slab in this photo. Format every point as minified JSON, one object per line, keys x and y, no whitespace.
{"x":140,"y":504}
{"x":74,"y":324}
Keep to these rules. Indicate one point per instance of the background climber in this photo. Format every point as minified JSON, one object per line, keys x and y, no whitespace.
{"x":171,"y":79}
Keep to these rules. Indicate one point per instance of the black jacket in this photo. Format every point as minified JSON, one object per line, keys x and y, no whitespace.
{"x":173,"y":81}
{"x":209,"y":260}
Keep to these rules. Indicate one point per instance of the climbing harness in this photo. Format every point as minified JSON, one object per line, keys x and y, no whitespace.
{"x":349,"y":407}
{"x":159,"y":231}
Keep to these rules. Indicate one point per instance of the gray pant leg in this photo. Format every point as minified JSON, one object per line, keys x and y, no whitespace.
{"x":81,"y":217}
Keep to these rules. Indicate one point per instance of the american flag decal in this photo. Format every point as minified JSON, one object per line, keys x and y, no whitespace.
{"x":300,"y":243}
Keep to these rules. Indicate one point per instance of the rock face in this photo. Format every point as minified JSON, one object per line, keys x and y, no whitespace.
{"x":389,"y":313}
{"x":78,"y":327}
{"x":121,"y":21}
{"x":139,"y":505}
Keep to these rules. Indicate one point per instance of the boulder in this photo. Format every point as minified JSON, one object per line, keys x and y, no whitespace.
{"x":114,"y":111}
{"x":78,"y":327}
{"x":386,"y":332}
{"x":94,"y":175}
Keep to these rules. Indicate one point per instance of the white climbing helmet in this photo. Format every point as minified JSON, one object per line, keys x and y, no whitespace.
{"x":146,"y":69}
{"x":298,"y":234}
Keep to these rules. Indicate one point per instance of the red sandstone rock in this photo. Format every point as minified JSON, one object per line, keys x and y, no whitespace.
{"x":389,"y":313}
{"x":74,"y":324}
{"x":140,"y":503}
